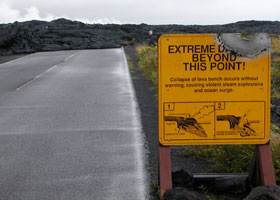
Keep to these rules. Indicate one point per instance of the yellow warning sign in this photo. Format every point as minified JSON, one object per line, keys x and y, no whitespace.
{"x":214,"y":89}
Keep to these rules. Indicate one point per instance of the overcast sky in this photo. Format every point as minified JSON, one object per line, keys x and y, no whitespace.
{"x":141,"y":11}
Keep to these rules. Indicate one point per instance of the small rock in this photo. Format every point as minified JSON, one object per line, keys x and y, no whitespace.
{"x":276,"y":101}
{"x":182,"y":194}
{"x":230,"y":184}
{"x":227,"y":184}
{"x":278,"y":110}
{"x":273,"y":108}
{"x":182,"y":179}
{"x":264,"y":193}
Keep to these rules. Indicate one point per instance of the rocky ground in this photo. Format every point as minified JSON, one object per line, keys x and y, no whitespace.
{"x":275,"y":111}
{"x":62,"y":34}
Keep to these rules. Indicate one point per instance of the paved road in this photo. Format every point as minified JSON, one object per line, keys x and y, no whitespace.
{"x":69,"y":128}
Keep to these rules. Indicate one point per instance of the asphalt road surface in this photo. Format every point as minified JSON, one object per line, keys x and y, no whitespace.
{"x":70,"y":128}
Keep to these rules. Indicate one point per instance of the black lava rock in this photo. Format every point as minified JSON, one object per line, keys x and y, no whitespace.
{"x":182,"y":194}
{"x":182,"y":179}
{"x":264,"y":193}
{"x":63,"y":34}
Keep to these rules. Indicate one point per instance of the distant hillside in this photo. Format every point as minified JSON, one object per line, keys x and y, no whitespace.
{"x":62,"y":34}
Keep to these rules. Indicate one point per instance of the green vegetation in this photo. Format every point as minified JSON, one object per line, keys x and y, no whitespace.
{"x":275,"y":66}
{"x":154,"y":190}
{"x":274,"y":129}
{"x":275,"y":145}
{"x":129,"y":62}
{"x":275,"y":79}
{"x":133,"y":41}
{"x":204,"y":189}
{"x":242,"y":33}
{"x":130,"y":42}
{"x":275,"y":44}
{"x":239,"y":156}
{"x":226,"y":159}
{"x":233,"y":158}
{"x":120,"y":31}
{"x":147,"y":61}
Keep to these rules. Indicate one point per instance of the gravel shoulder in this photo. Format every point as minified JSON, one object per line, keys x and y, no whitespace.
{"x":147,"y":101}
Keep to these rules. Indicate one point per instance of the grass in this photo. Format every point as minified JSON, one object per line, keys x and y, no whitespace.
{"x":275,"y":43}
{"x":275,"y":78}
{"x":234,"y":158}
{"x":130,"y":42}
{"x":275,"y":67}
{"x":275,"y":146}
{"x":204,"y":189}
{"x":224,"y":158}
{"x":120,"y":31}
{"x":130,"y":63}
{"x":275,"y":129}
{"x":147,"y":62}
{"x":154,"y":190}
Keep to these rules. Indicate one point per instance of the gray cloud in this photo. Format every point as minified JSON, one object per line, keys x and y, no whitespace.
{"x":144,"y":11}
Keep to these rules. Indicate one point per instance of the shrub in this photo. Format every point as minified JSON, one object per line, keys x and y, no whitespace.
{"x":147,"y":61}
{"x":275,"y":68}
{"x":224,"y":158}
{"x":275,"y":146}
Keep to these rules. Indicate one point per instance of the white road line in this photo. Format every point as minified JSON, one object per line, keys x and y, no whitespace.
{"x":38,"y":76}
{"x":25,"y":84}
{"x":66,"y":59}
{"x":50,"y":69}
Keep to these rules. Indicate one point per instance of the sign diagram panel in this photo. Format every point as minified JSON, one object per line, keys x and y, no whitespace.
{"x":213,"y":89}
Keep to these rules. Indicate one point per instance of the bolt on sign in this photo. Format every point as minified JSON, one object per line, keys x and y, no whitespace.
{"x":214,"y":89}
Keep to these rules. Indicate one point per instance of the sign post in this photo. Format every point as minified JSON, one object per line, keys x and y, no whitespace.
{"x":214,"y":89}
{"x":165,"y":176}
{"x":261,"y":171}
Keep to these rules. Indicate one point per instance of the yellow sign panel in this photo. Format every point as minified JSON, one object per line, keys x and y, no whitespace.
{"x":214,"y":89}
